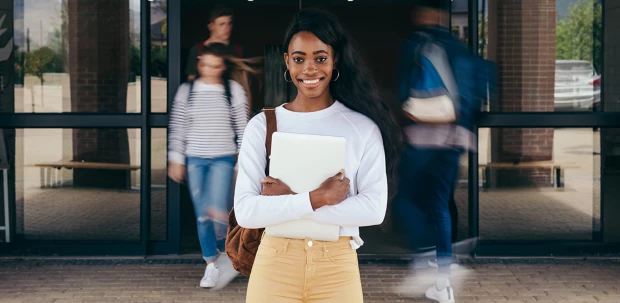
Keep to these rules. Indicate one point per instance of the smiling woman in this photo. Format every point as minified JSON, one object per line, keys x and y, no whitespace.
{"x":329,"y":55}
{"x":337,"y":97}
{"x":311,"y":64}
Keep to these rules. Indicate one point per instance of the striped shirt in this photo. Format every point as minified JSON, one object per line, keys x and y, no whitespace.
{"x":207,"y":126}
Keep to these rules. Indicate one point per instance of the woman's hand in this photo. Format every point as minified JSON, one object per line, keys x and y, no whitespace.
{"x":331,"y":192}
{"x":275,"y":187}
{"x":176,"y":172}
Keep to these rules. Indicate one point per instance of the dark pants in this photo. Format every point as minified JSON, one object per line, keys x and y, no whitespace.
{"x":422,"y":206}
{"x":454,"y":215}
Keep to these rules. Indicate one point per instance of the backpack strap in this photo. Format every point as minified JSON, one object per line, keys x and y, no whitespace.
{"x":191,"y":88}
{"x":431,"y":49}
{"x":188,"y":120}
{"x":272,"y":127}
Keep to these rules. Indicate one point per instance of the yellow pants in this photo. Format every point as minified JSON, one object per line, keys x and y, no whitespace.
{"x":292,"y":270}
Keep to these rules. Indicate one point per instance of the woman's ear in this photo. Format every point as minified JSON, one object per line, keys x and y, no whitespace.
{"x":286,"y":59}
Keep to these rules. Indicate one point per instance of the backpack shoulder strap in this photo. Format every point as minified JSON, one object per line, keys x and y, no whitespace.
{"x":272,"y":127}
{"x":189,"y":92}
{"x":429,"y":47}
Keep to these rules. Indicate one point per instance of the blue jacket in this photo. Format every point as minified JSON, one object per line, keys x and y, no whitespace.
{"x":473,"y":75}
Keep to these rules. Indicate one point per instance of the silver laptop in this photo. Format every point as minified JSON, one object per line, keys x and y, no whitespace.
{"x":303,"y":162}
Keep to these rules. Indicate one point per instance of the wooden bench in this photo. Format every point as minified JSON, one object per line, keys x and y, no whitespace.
{"x":51,"y":172}
{"x":556,"y":168}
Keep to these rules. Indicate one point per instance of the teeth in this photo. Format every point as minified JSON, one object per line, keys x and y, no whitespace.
{"x":311,"y":81}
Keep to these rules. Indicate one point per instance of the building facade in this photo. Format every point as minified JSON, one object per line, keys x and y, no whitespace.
{"x":86,"y":87}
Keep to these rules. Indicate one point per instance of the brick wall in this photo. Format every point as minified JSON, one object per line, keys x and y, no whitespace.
{"x":525,"y":53}
{"x":99,"y":55}
{"x":99,"y":70}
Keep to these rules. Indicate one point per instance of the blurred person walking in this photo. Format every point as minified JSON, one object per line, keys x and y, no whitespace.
{"x":442,"y":88}
{"x":220,"y":30}
{"x":207,"y":122}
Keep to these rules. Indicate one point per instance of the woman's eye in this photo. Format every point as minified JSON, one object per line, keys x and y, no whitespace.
{"x":321,"y":59}
{"x":298,"y":60}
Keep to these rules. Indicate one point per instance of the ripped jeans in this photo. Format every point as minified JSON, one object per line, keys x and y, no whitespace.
{"x":209,"y":181}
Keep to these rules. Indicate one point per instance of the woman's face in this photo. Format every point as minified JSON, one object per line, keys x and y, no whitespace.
{"x":211,"y":66}
{"x":310,"y":63}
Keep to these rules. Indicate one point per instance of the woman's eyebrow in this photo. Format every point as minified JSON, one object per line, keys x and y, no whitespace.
{"x":321,"y":51}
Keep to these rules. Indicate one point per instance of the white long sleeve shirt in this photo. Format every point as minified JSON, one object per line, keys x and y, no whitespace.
{"x":204,"y":123}
{"x":364,"y":166}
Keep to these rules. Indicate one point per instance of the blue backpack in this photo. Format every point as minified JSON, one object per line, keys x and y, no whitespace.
{"x":444,"y":69}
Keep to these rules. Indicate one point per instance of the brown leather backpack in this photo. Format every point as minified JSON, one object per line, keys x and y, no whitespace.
{"x":242,"y":243}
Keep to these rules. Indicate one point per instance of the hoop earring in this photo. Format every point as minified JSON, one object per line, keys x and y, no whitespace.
{"x":338,"y":76}
{"x":285,"y":76}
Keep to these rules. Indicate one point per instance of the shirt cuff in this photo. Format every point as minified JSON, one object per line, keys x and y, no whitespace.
{"x":301,"y":206}
{"x":176,"y":157}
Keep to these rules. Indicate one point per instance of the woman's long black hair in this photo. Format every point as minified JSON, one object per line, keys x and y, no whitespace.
{"x":355,"y":87}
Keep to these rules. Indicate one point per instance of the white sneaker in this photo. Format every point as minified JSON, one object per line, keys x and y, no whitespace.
{"x":445,"y":295}
{"x":226,"y":270}
{"x":211,"y":276}
{"x":433,"y":263}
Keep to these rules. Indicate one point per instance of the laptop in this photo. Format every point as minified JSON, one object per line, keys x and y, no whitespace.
{"x":303,"y":162}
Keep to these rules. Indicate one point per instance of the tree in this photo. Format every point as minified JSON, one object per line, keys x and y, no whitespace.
{"x":159,"y":58}
{"x":578,"y":35}
{"x":135,"y":68}
{"x":18,"y":71}
{"x":41,"y":61}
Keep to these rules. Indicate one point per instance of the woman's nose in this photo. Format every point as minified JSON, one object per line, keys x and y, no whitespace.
{"x":310,"y":67}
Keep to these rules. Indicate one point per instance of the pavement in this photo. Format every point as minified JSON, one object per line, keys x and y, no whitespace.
{"x":176,"y":280}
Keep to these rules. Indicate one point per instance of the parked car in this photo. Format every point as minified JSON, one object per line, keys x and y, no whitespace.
{"x":577,"y":86}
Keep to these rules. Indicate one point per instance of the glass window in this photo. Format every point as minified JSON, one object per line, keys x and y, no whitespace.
{"x":159,"y":55}
{"x":77,"y":184}
{"x":77,"y":56}
{"x":544,"y":70}
{"x":540,"y":184}
{"x":159,"y":223}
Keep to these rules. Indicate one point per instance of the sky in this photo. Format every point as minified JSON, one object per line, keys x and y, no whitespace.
{"x":43,"y":17}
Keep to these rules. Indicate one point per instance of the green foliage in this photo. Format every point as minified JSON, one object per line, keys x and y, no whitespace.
{"x":159,"y":58}
{"x":18,"y":70}
{"x":159,"y":62}
{"x":134,"y":61}
{"x":40,"y":61}
{"x":579,"y":35}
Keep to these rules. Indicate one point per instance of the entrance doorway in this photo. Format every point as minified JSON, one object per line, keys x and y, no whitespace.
{"x":377,"y":28}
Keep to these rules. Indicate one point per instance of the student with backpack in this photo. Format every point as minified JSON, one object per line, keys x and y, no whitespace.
{"x":442,"y":88}
{"x":208,"y":118}
{"x":336,"y":97}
